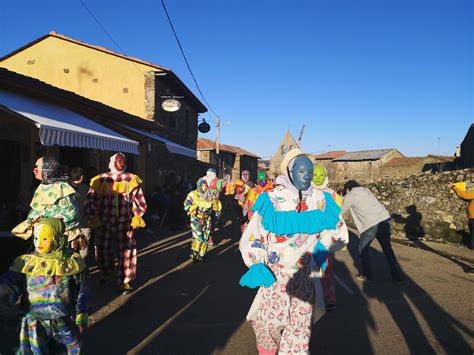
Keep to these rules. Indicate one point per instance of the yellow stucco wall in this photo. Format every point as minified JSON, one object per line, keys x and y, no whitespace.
{"x":93,"y":74}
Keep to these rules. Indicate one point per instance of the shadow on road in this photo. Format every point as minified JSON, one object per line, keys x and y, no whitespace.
{"x":194,"y":309}
{"x":399,"y":300}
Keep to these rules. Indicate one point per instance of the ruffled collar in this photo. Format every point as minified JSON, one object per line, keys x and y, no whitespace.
{"x":292,"y":222}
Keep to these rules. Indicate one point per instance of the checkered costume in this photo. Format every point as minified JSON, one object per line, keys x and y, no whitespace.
{"x":117,"y":203}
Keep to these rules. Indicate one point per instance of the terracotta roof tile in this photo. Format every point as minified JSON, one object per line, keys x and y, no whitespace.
{"x":403,"y":161}
{"x":207,"y":144}
{"x":330,"y":155}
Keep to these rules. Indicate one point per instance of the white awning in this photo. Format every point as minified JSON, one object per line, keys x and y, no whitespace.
{"x":58,"y":125}
{"x":173,"y":147}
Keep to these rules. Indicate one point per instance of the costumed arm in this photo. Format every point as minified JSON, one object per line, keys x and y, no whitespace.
{"x":82,"y":303}
{"x":252,"y":247}
{"x":90,"y":209}
{"x":35,"y":211}
{"x":139,"y":207}
{"x":67,"y":209}
{"x":330,"y":240}
{"x":467,"y":195}
{"x":12,"y":286}
{"x":189,"y":205}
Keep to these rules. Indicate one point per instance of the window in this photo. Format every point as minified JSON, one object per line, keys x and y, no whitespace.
{"x":292,"y":146}
{"x":283,"y":149}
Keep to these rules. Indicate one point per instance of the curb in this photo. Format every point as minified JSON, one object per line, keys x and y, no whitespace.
{"x":412,"y":244}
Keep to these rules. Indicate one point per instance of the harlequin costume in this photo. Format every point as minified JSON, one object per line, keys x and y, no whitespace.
{"x":50,"y":284}
{"x":199,"y":205}
{"x":56,"y":198}
{"x":285,"y":247}
{"x":321,"y":182}
{"x":116,"y":203}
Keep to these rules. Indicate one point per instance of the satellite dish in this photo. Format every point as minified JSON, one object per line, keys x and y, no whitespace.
{"x":204,"y":127}
{"x":171,"y":105}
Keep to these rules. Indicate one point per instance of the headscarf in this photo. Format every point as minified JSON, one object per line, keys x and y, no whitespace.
{"x":112,"y":167}
{"x":59,"y":239}
{"x":51,"y":171}
{"x":205,"y":195}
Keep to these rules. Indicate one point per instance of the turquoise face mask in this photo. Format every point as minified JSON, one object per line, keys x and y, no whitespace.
{"x":302,"y":172}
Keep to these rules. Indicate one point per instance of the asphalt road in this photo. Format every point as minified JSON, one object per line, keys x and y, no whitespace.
{"x":184,"y":308}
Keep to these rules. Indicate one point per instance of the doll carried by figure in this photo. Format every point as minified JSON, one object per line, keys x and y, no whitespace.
{"x":50,"y":284}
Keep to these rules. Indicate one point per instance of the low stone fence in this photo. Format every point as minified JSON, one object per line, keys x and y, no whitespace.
{"x":422,"y":207}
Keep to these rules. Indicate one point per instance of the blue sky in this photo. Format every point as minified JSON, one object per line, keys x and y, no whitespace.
{"x":359,"y":74}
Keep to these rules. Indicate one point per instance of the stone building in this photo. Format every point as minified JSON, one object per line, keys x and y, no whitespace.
{"x":467,"y":148}
{"x":287,"y":143}
{"x":232,"y":160}
{"x":364,"y":164}
{"x":325,"y":159}
{"x":406,"y":166}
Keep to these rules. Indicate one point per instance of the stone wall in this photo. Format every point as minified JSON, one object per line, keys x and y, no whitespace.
{"x":422,"y":206}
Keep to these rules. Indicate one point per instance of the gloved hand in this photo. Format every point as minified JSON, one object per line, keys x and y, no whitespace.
{"x":82,"y":321}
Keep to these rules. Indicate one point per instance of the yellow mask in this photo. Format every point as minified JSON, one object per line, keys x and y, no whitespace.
{"x":43,"y":238}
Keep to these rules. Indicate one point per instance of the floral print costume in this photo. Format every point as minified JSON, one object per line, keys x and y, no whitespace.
{"x":284,"y":240}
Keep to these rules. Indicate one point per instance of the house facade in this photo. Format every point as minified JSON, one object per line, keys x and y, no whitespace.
{"x":364,"y":164}
{"x":467,"y":149}
{"x":232,"y":160}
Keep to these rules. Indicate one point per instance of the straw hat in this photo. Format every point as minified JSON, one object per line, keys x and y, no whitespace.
{"x":292,"y":154}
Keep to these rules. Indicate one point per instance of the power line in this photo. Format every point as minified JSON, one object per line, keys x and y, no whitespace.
{"x":107,"y":33}
{"x":185,"y":59}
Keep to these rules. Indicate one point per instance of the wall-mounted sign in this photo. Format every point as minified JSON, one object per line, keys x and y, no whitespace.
{"x":171,"y":105}
{"x":204,"y":127}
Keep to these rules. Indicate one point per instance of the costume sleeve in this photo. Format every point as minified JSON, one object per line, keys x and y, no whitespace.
{"x":82,"y":303}
{"x":12,"y":286}
{"x":67,"y":209}
{"x":139,"y":205}
{"x":467,"y":195}
{"x":92,"y":200}
{"x":189,"y":206}
{"x":252,"y":243}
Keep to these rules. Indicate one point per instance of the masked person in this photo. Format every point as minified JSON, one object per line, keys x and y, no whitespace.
{"x":263,"y":183}
{"x":116,"y":204}
{"x":199,"y":205}
{"x":245,"y":197}
{"x":54,"y":297}
{"x":285,"y":246}
{"x":56,"y":198}
{"x":320,"y":182}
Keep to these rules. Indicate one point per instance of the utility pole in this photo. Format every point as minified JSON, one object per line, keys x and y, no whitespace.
{"x":218,"y":125}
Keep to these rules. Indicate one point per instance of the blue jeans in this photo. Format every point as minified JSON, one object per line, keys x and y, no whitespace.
{"x":381,"y":231}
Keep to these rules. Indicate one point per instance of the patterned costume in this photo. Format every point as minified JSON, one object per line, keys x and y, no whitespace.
{"x":199,"y":205}
{"x":117,"y":204}
{"x":55,"y":198}
{"x":245,"y":197}
{"x":320,"y":182}
{"x":289,"y":236}
{"x":50,"y":284}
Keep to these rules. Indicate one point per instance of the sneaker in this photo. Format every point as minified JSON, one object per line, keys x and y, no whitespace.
{"x":330,"y":307}
{"x":126,"y":288}
{"x":362,"y":277}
